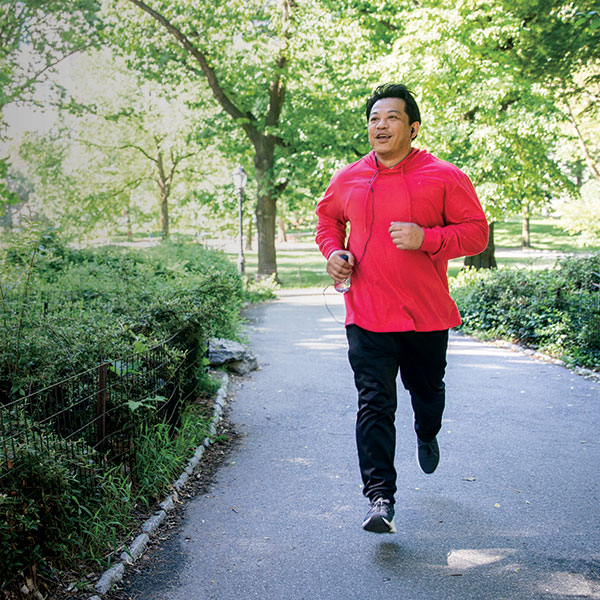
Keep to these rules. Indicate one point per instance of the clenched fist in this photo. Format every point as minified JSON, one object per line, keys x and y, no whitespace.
{"x":406,"y":236}
{"x":338,"y":268}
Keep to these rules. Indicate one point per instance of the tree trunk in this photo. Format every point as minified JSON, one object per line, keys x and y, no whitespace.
{"x":282,"y":237}
{"x":525,"y":231}
{"x":164,"y":186}
{"x":249,"y":233}
{"x":485,"y":260}
{"x":129,"y":226}
{"x":266,"y":210}
{"x":266,"y":207}
{"x":164,"y":214}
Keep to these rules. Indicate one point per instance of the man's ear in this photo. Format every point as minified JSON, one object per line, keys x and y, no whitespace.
{"x":414,"y":129}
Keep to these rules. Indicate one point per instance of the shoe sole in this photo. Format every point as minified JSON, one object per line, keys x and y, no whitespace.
{"x":379,"y":525}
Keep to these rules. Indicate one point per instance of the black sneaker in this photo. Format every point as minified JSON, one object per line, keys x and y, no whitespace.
{"x":428,"y":454}
{"x":380,"y":518}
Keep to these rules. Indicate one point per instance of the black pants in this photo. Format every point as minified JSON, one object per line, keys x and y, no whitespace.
{"x":375,"y":359}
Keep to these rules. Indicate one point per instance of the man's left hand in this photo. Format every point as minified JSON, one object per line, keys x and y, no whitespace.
{"x":407,"y":236}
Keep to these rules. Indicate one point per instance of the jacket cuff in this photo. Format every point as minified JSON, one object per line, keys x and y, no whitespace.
{"x":432,"y":240}
{"x":330,"y":250}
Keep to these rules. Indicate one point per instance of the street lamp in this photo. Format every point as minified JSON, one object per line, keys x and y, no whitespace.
{"x":239,"y":181}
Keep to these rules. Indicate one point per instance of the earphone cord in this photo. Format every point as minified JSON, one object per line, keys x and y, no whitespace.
{"x":363,"y":252}
{"x":327,"y":306}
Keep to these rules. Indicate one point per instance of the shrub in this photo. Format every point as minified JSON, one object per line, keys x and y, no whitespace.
{"x":45,"y":503}
{"x":554,"y":310}
{"x":77,"y":307}
{"x":62,"y":312}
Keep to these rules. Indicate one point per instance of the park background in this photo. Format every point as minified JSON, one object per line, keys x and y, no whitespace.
{"x":126,"y":243}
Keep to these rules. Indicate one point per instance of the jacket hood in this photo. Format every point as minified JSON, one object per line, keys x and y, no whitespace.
{"x":414,"y":158}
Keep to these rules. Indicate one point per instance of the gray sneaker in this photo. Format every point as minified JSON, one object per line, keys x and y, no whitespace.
{"x":380,"y":518}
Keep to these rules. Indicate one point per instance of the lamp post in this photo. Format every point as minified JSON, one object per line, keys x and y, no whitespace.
{"x":239,"y":181}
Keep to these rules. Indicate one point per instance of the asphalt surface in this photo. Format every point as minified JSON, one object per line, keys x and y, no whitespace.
{"x":513,"y":511}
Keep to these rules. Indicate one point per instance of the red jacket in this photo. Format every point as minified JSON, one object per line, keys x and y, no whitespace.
{"x":392,"y":289}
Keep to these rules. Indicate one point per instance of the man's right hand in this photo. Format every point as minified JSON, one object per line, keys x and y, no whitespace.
{"x":338,"y":268}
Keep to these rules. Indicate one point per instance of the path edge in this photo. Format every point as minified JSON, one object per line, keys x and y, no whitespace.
{"x":137,"y":548}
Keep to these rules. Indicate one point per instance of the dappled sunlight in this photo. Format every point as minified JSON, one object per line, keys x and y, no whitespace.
{"x":522,"y":361}
{"x":565,"y":585}
{"x":467,"y":558}
{"x":298,"y":461}
{"x":326,"y":342}
{"x":489,"y":366}
{"x":473,"y":351}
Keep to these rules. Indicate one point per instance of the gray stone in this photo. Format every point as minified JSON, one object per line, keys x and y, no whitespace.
{"x":152,"y":524}
{"x":167,"y":504}
{"x":136,"y":549}
{"x":243,"y":367}
{"x":232,"y":355}
{"x":181,"y":481}
{"x":109,"y":578}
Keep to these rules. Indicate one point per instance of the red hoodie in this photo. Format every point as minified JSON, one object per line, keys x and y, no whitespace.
{"x":392,"y":289}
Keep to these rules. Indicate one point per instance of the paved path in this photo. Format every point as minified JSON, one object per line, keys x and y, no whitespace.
{"x":513,"y":511}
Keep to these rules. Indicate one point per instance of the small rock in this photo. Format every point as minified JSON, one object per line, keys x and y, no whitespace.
{"x":231,"y":354}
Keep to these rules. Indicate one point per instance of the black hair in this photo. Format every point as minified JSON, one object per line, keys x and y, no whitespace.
{"x":395,"y":90}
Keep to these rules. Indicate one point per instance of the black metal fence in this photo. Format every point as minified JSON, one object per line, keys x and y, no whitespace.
{"x":63,"y":441}
{"x":93,"y":417}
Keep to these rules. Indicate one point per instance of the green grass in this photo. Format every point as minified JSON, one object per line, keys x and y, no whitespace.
{"x":301,"y":265}
{"x":297,"y":268}
{"x":546,"y":234}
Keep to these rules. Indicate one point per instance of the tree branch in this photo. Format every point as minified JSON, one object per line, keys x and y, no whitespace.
{"x":121,"y":147}
{"x":207,"y":70}
{"x":49,"y":66}
{"x":127,"y":186}
{"x":588,"y":158}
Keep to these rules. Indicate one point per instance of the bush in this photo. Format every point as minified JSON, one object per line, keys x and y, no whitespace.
{"x":62,"y":312}
{"x":555,"y":310}
{"x":46,"y":504}
{"x":77,"y":307}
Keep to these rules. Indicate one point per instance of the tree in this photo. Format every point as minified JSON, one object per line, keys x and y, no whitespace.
{"x":480,"y":110}
{"x":151,"y":129}
{"x":35,"y":37}
{"x":272,"y":68}
{"x":120,"y":136}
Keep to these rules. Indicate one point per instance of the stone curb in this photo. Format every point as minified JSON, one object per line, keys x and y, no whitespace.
{"x":148,"y":528}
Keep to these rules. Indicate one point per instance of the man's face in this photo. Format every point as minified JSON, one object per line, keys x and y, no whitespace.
{"x":389,"y":130}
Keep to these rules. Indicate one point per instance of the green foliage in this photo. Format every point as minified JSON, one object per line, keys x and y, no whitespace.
{"x":478,"y":110}
{"x":50,"y":515}
{"x":94,"y":304}
{"x":36,"y":36}
{"x":257,"y":290}
{"x":62,"y":312}
{"x":582,"y":216}
{"x":554,"y":310}
{"x":48,"y":512}
{"x":162,"y":452}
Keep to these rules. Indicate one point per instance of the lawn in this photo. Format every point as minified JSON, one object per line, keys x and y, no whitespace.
{"x":300,"y":264}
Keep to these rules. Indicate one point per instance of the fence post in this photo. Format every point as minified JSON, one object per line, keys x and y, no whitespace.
{"x":101,"y":405}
